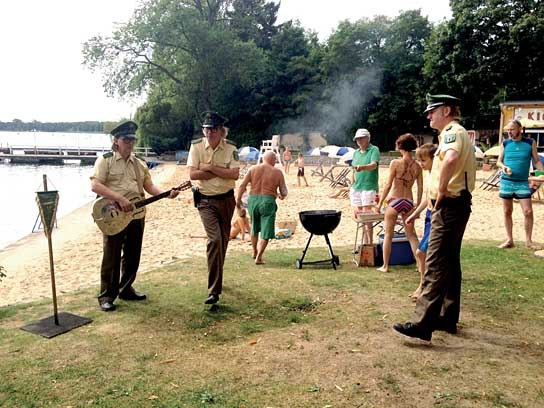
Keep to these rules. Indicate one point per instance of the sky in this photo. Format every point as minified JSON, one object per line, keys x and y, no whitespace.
{"x":42,"y":77}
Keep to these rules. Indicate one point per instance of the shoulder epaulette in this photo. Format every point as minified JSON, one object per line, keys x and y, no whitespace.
{"x":195,"y":141}
{"x":449,"y":128}
{"x":140,"y":156}
{"x":230,"y":142}
{"x":108,"y":154}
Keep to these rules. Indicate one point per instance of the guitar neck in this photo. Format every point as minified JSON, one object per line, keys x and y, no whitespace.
{"x":150,"y":200}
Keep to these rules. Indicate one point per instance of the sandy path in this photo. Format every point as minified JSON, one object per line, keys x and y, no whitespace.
{"x":170,"y":223}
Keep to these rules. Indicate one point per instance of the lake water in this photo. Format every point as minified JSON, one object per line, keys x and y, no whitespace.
{"x":19,"y":213}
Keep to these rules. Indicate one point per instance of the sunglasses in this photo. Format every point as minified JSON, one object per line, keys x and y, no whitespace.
{"x":129,"y":139}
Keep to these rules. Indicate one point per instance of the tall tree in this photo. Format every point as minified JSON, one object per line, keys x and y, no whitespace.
{"x":181,"y":43}
{"x":487,"y":53}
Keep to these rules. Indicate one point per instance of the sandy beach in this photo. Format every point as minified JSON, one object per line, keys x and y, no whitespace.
{"x":173,"y":231}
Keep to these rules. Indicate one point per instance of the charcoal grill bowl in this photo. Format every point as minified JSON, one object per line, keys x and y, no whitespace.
{"x":320,"y":222}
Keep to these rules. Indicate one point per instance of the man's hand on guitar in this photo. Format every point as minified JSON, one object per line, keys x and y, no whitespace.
{"x":125,"y":204}
{"x":173,"y":193}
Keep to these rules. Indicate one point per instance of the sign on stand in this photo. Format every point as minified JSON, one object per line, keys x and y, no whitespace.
{"x":58,"y":323}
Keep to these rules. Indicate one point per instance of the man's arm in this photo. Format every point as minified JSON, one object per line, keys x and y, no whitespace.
{"x":197,"y":174}
{"x":282,"y":187}
{"x":536,"y":158}
{"x":451,"y":157}
{"x":242,"y":188}
{"x":102,"y":190}
{"x":218,"y":171}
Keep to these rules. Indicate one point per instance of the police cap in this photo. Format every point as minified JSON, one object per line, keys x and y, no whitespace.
{"x":126,"y":130}
{"x":212,"y":119}
{"x":434,"y":101}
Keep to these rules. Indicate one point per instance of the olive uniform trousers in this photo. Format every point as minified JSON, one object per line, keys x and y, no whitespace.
{"x":216,"y":216}
{"x":441,"y":294}
{"x":121,"y":259}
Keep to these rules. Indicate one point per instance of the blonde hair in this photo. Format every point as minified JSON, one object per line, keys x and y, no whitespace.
{"x":425,"y":150}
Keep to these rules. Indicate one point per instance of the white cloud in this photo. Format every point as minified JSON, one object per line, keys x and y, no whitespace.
{"x":42,"y":77}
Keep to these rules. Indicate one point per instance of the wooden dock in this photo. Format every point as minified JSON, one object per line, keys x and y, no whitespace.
{"x":60,"y":155}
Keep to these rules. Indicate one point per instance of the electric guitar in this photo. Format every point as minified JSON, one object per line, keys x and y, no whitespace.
{"x":111,"y":219}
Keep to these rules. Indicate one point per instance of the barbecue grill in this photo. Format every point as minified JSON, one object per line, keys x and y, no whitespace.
{"x":319,"y":222}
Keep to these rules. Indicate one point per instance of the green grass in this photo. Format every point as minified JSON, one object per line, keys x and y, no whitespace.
{"x":284,"y":337}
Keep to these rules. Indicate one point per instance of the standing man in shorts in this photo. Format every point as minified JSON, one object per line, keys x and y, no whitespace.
{"x":515,"y":160}
{"x":364,"y":181}
{"x":267,"y":183}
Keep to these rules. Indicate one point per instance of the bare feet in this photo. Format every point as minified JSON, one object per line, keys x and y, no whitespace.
{"x":506,"y":244}
{"x":416,"y":294}
{"x":383,"y":269}
{"x":533,"y":246}
{"x":259,"y":262}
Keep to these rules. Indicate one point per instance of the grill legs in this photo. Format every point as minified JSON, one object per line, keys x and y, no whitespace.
{"x":333,"y":260}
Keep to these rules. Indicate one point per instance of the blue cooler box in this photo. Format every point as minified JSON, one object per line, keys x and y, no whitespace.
{"x":401,"y":253}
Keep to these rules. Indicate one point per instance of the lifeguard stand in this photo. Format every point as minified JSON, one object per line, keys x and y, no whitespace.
{"x":271,"y":145}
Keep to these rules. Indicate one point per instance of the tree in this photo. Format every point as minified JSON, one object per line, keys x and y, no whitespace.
{"x":378,"y":64}
{"x":176,"y":49}
{"x":487,"y":53}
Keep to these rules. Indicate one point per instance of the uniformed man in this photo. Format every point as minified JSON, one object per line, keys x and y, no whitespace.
{"x":213,"y":164}
{"x":117,"y":175}
{"x":453,"y":177}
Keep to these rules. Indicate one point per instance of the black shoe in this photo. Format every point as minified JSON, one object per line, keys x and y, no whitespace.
{"x":212,"y":299}
{"x":443,"y":325}
{"x":107,"y":307}
{"x":411,"y":330}
{"x":132,"y":295}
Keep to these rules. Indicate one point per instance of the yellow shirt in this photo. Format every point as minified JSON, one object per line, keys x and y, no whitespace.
{"x":119,"y":174}
{"x":224,"y":155}
{"x":454,"y":136}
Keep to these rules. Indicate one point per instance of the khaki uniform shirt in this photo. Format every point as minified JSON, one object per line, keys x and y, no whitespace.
{"x":224,"y":155}
{"x":454,"y":136}
{"x":120,"y":175}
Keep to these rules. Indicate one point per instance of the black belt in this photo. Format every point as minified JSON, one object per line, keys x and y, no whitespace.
{"x":228,"y":194}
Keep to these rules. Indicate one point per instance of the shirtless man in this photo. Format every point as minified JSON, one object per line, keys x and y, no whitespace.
{"x":267,"y":183}
{"x":397,"y":193}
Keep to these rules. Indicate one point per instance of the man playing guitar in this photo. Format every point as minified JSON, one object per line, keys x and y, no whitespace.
{"x":117,"y":175}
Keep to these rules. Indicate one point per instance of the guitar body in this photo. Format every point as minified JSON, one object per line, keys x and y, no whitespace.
{"x":112,"y":220}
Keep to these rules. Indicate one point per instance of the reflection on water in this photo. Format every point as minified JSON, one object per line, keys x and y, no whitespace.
{"x":18,"y":208}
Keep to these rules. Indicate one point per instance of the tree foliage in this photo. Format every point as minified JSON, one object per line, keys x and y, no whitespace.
{"x":231,"y":56}
{"x":488,"y":52}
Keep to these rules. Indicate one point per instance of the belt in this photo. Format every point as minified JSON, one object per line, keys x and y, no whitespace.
{"x":228,"y":194}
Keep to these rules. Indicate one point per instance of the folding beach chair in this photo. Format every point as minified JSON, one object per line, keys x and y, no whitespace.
{"x":318,"y":171}
{"x":492,"y":182}
{"x":342,"y":178}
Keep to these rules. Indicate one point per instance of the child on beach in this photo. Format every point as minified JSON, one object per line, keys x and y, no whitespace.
{"x":300,"y":172}
{"x":425,"y":156}
{"x":240,"y":225}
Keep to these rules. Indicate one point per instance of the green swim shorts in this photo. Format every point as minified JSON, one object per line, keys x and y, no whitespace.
{"x":262,"y":211}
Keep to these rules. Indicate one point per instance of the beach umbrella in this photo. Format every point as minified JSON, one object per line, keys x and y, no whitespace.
{"x":347,"y":157}
{"x":330,"y":149}
{"x":251,"y":156}
{"x":494,"y":151}
{"x":478,"y":152}
{"x":244,"y":151}
{"x":343,"y":150}
{"x":531,"y":123}
{"x":316,"y":151}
